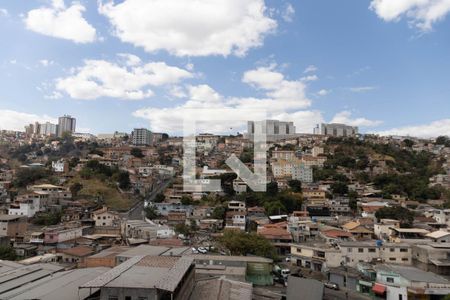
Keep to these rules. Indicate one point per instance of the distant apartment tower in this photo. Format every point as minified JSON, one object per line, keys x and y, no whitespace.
{"x":336,"y":130}
{"x":48,"y":129}
{"x":142,"y":137}
{"x":66,"y":124}
{"x":273,"y":129}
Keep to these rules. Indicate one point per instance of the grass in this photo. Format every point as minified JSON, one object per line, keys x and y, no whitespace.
{"x":107,"y":191}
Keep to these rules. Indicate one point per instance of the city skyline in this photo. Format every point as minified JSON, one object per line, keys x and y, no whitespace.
{"x":308,"y":62}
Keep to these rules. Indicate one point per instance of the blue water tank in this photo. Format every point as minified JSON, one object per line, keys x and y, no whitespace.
{"x":379,"y":243}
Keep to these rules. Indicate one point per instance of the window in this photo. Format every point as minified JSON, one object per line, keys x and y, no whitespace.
{"x":403,"y":250}
{"x":400,"y":297}
{"x":372,"y":250}
{"x":361,"y":250}
{"x":392,"y":259}
{"x":127,"y":297}
{"x":405,"y":259}
{"x":392,"y":249}
{"x":390,"y":279}
{"x":349,"y":249}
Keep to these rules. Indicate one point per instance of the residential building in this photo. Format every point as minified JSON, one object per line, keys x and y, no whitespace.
{"x":404,"y":282}
{"x":317,"y":257}
{"x":105,"y":218}
{"x":12,"y":225}
{"x":375,"y":252}
{"x":433,"y":257}
{"x":141,"y":137}
{"x":66,"y":124}
{"x":336,"y":130}
{"x":439,"y":236}
{"x":274,"y":130}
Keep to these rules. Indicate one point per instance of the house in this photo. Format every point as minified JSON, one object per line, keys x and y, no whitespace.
{"x":382,"y":229}
{"x":335,"y":235}
{"x":358,"y":231}
{"x":235,"y":220}
{"x":439,"y":236}
{"x":62,"y":234}
{"x":12,"y":226}
{"x":278,"y":235}
{"x":76,"y":255}
{"x":176,"y":217}
{"x":412,"y":235}
{"x":315,"y":256}
{"x":404,"y":282}
{"x":371,"y":252}
{"x":146,"y":277}
{"x":433,"y":257}
{"x":103,"y":217}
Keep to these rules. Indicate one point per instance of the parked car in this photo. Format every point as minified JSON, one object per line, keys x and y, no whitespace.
{"x":194,"y":250}
{"x":288,"y":259}
{"x":202,"y":250}
{"x":331,"y":285}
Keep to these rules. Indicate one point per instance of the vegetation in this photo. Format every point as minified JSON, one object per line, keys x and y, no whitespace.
{"x":47,"y":219}
{"x":151,"y":212}
{"x":27,"y":176}
{"x":404,"y":215}
{"x":295,"y":185}
{"x":242,"y":243}
{"x":137,"y":152}
{"x":7,"y":253}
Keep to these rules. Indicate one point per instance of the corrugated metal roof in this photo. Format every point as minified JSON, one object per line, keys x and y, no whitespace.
{"x":171,"y":279}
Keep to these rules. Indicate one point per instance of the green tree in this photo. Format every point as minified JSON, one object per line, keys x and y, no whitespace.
{"x":295,"y":185}
{"x":339,"y":188}
{"x":7,"y":253}
{"x":124,"y":180}
{"x":242,"y":243}
{"x":183,"y":229}
{"x":159,"y":198}
{"x":136,"y":152}
{"x":218,"y":213}
{"x":272,"y":188}
{"x":47,"y":219}
{"x":151,"y":212}
{"x":404,"y":215}
{"x":186,"y":200}
{"x":75,"y":188}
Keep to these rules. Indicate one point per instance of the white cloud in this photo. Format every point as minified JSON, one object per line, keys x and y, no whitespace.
{"x":288,"y":13}
{"x":46,"y":62}
{"x":323,"y":92}
{"x":130,"y":81}
{"x":309,"y":78}
{"x":130,"y":59}
{"x":191,"y":28}
{"x":434,"y":129}
{"x":14,"y":120}
{"x":177,"y":92}
{"x":361,"y":89}
{"x":61,"y":22}
{"x":310,"y":69}
{"x":54,"y":95}
{"x":282,"y":99}
{"x":3,"y":12}
{"x":345,"y":117}
{"x":287,"y":93}
{"x":421,"y":13}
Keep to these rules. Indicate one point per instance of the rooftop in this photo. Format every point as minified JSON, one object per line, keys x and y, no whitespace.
{"x":413,"y":274}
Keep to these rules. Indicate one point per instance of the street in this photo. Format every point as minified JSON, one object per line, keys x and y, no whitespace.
{"x":135,"y":213}
{"x":330,"y":294}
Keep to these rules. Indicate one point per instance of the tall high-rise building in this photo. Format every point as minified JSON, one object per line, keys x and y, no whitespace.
{"x":336,"y":130}
{"x":142,"y":137}
{"x":273,"y":129}
{"x":66,"y":124}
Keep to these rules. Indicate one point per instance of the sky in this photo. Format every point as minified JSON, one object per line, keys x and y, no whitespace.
{"x":382,"y":65}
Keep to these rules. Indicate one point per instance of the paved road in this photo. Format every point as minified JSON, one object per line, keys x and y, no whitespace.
{"x":136,"y":212}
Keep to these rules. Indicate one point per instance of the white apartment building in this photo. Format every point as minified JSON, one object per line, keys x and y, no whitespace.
{"x":142,"y":137}
{"x":273,"y":129}
{"x":283,"y":154}
{"x":293,"y":169}
{"x":336,"y":130}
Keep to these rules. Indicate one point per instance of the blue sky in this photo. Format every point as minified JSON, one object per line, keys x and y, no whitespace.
{"x":382,"y":65}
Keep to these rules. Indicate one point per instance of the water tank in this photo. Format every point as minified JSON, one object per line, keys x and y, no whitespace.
{"x":379,"y":243}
